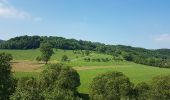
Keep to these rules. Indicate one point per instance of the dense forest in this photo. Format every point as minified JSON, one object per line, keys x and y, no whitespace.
{"x":159,"y":57}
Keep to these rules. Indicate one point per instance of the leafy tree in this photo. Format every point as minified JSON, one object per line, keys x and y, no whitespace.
{"x":27,"y":89}
{"x":57,"y":82}
{"x":64,"y":76}
{"x":142,"y":91}
{"x":110,"y":86}
{"x":64,"y":58}
{"x":160,"y":88}
{"x":7,"y":82}
{"x":59,"y":94}
{"x":128,"y":57}
{"x":47,"y":51}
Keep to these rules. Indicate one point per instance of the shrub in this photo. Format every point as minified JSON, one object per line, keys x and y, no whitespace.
{"x":142,"y":91}
{"x":160,"y":88}
{"x":7,"y":81}
{"x":56,"y":82}
{"x":64,"y":58}
{"x":110,"y":86}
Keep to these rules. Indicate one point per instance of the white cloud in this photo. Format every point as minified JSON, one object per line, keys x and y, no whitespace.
{"x":8,"y":11}
{"x":163,"y":38}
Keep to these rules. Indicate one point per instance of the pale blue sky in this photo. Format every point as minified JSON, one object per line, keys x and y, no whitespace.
{"x":140,"y":23}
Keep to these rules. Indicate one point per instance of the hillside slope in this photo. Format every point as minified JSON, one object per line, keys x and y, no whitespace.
{"x":159,"y":58}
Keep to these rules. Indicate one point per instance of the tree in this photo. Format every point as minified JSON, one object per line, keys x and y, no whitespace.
{"x":7,"y":82}
{"x":142,"y":91}
{"x":128,"y":57}
{"x":27,"y":89}
{"x":110,"y":86}
{"x":64,"y":58}
{"x":47,"y":51}
{"x":62,"y":76}
{"x":56,"y":82}
{"x":59,"y":94}
{"x":59,"y":82}
{"x":160,"y":88}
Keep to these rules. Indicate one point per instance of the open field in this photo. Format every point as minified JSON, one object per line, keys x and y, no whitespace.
{"x":24,"y":64}
{"x":58,"y":53}
{"x":136,"y":72}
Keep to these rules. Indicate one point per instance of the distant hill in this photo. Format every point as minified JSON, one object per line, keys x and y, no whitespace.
{"x":160,"y":57}
{"x":163,"y":51}
{"x":1,"y":40}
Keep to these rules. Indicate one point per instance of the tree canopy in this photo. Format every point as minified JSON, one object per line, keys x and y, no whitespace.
{"x":46,"y":52}
{"x":7,"y":82}
{"x":110,"y":86}
{"x":56,"y":82}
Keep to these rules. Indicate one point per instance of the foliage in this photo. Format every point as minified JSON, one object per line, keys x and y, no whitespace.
{"x":27,"y":89}
{"x":110,"y":86}
{"x":64,"y":58}
{"x":59,"y":94}
{"x":56,"y":82}
{"x":23,"y":42}
{"x":87,"y":52}
{"x":160,"y":88}
{"x":64,"y":76}
{"x":7,"y":82}
{"x":59,"y":81}
{"x":47,"y":51}
{"x":142,"y":91}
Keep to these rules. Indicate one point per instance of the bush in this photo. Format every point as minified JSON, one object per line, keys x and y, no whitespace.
{"x":27,"y":89}
{"x":87,"y":59}
{"x":110,"y":86}
{"x":160,"y":88}
{"x":64,"y":58}
{"x":142,"y":91}
{"x":64,"y":76}
{"x":56,"y":82}
{"x":7,"y":81}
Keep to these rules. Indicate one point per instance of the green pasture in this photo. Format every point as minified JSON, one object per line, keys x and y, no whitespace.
{"x":136,"y":72}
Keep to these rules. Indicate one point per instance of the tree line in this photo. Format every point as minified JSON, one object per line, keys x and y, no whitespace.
{"x":60,"y":82}
{"x":158,"y":58}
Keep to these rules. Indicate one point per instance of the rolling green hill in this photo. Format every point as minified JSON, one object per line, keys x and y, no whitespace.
{"x":157,"y":58}
{"x":88,"y":70}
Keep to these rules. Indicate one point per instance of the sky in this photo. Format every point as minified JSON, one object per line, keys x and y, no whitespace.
{"x":139,"y":23}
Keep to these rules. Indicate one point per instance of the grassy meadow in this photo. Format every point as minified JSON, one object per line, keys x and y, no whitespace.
{"x":87,"y":70}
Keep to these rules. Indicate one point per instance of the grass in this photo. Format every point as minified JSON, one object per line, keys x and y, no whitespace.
{"x":84,"y":63}
{"x":23,"y":54}
{"x":33,"y":53}
{"x":25,"y":74}
{"x":136,"y":72}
